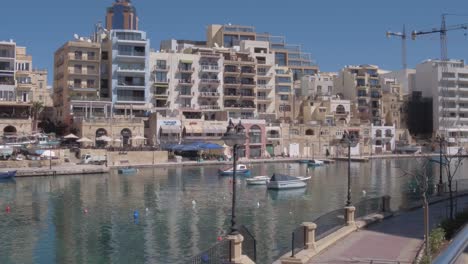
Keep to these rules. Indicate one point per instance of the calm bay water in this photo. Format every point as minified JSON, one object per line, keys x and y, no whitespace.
{"x":188,"y":208}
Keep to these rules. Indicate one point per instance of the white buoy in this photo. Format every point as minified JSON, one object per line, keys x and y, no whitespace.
{"x":364,"y":192}
{"x":258,"y":204}
{"x":290,"y":213}
{"x":194,"y":203}
{"x":147,"y":210}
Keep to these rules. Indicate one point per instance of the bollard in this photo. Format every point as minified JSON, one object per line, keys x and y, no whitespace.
{"x":309,"y":235}
{"x":349,"y":213}
{"x":236,"y":248}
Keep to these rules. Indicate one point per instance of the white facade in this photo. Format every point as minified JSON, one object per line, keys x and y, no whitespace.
{"x":450,"y":97}
{"x":7,"y":71}
{"x":130,"y":71}
{"x":320,"y":84}
{"x":383,"y":138}
{"x":405,"y":78}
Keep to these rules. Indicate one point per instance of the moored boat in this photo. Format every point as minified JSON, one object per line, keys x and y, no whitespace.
{"x":303,"y":161}
{"x":128,"y":170}
{"x":282,"y":182}
{"x":258,"y":180}
{"x":315,"y":163}
{"x":7,"y":174}
{"x":241,"y":169}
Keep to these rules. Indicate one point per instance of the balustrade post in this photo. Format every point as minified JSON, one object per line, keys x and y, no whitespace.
{"x":236,"y":248}
{"x":386,"y":204}
{"x":309,"y":239}
{"x":350,"y":215}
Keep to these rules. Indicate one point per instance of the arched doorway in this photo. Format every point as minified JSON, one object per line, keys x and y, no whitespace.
{"x":309,"y":132}
{"x":9,"y":131}
{"x":340,"y":109}
{"x":126,"y":136}
{"x":99,"y":133}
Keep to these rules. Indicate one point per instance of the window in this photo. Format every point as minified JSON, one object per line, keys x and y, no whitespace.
{"x":284,"y":97}
{"x":90,"y":69}
{"x":77,"y":69}
{"x":283,"y":79}
{"x":280,"y":59}
{"x":319,"y":89}
{"x":294,"y":132}
{"x":284,"y":89}
{"x":91,"y":55}
{"x":309,"y":132}
{"x":161,"y":76}
{"x":255,"y":134}
{"x":77,"y":83}
{"x":90,"y":84}
{"x":78,"y":55}
{"x":262,"y":82}
{"x":161,"y":64}
{"x":284,"y":108}
{"x":105,"y":55}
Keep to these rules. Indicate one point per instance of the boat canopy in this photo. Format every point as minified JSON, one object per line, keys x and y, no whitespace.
{"x":282,"y":177}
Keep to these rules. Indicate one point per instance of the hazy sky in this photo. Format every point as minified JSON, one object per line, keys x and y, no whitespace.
{"x":336,"y":33}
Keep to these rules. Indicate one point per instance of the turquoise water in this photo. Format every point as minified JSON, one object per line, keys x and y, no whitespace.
{"x":89,"y":218}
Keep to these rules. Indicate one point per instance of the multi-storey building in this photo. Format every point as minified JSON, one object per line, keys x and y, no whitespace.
{"x":285,"y":98}
{"x":449,"y":90}
{"x":289,"y":55}
{"x":122,"y":15}
{"x":77,"y":82}
{"x":20,"y":87}
{"x":360,"y":84}
{"x":129,"y":53}
{"x":319,"y":84}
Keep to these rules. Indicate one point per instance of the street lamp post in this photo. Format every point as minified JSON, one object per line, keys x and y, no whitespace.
{"x":440,"y":186}
{"x":349,"y":141}
{"x":234,"y":137}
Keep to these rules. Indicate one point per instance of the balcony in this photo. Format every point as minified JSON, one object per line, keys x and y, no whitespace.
{"x":186,"y":82}
{"x":264,"y":87}
{"x":161,"y":93}
{"x":131,"y":85}
{"x":240,"y":106}
{"x":89,"y":99}
{"x":209,"y":94}
{"x":263,"y":98}
{"x":186,"y":69}
{"x":131,"y":54}
{"x":209,"y":81}
{"x":233,"y":84}
{"x":247,"y":95}
{"x":248,"y":72}
{"x":161,"y":68}
{"x":248,"y":83}
{"x":121,"y":69}
{"x":209,"y":55}
{"x":231,"y":95}
{"x":209,"y":107}
{"x":161,"y":81}
{"x":82,"y":72}
{"x":82,"y":88}
{"x":209,"y":68}
{"x":186,"y":94}
{"x":130,"y":99}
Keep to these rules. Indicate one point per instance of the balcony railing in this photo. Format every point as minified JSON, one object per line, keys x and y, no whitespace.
{"x":161,"y":81}
{"x":209,"y":68}
{"x":92,"y":99}
{"x":210,"y":107}
{"x":161,"y":68}
{"x":209,"y":81}
{"x":209,"y":94}
{"x":134,"y":53}
{"x":186,"y":69}
{"x":265,"y":86}
{"x":130,"y":98}
{"x":185,"y":81}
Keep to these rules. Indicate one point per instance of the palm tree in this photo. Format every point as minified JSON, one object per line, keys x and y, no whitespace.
{"x":36,"y":110}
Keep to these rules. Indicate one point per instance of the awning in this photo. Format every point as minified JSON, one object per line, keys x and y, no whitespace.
{"x":214,"y":129}
{"x":193,"y":129}
{"x":170,"y":129}
{"x":272,"y":129}
{"x":186,"y":61}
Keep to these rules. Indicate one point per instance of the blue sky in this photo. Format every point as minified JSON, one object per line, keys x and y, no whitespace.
{"x":337,"y":33}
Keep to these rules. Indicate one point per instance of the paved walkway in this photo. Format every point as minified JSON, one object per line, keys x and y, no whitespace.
{"x":395,"y":239}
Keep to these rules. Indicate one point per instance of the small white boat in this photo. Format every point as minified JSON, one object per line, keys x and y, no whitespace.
{"x":304,"y":178}
{"x":316,"y":163}
{"x":241,"y":169}
{"x":258,"y":180}
{"x":282,"y":182}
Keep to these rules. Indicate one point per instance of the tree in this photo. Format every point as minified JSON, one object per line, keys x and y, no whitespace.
{"x":451,"y":164}
{"x":36,"y":110}
{"x":422,"y":175}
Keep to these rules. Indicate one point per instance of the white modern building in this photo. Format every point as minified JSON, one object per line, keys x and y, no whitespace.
{"x":130,"y":72}
{"x":449,"y":91}
{"x":7,"y":70}
{"x":319,"y":84}
{"x":383,"y":139}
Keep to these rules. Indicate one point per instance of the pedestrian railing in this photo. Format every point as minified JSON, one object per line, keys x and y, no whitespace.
{"x":329,"y":223}
{"x":249,"y":245}
{"x":369,"y":206}
{"x":220,"y":253}
{"x":298,"y":240}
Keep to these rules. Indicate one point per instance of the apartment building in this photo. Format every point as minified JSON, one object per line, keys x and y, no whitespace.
{"x":289,"y":55}
{"x":77,"y":82}
{"x":285,"y":98}
{"x":129,"y":53}
{"x":449,"y":90}
{"x":361,"y":85}
{"x":319,"y":84}
{"x":20,"y":87}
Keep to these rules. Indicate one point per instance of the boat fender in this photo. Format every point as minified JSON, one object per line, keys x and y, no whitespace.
{"x":136,"y":214}
{"x":85,"y":210}
{"x":258,"y":204}
{"x":219,"y":238}
{"x":194,"y":203}
{"x":8,"y":209}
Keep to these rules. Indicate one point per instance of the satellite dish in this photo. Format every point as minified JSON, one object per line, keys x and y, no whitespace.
{"x":76,"y":36}
{"x":81,"y":38}
{"x":89,"y":40}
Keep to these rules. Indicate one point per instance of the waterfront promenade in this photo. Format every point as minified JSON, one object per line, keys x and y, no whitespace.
{"x":398,"y":238}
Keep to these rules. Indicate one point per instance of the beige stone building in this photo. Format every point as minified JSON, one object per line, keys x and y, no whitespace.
{"x":77,"y":82}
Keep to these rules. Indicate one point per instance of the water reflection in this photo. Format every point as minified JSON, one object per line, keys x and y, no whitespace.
{"x":188,"y":208}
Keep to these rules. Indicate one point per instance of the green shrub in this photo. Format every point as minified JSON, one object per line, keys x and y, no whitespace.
{"x":436,"y":238}
{"x":452,"y":226}
{"x":425,"y":260}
